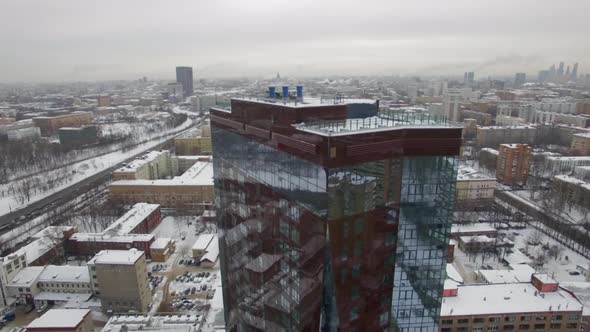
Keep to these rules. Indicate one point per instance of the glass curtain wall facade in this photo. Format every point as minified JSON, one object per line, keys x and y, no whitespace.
{"x":308,"y":244}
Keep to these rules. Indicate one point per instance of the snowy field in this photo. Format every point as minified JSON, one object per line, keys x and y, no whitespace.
{"x":87,"y":168}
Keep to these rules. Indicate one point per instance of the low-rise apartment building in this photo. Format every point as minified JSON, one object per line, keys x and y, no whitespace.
{"x":474,"y":189}
{"x":539,"y":305}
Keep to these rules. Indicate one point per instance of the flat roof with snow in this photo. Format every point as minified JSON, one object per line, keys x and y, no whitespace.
{"x":59,"y":318}
{"x":27,"y":276}
{"x":505,"y":299}
{"x":203,"y":241}
{"x":116,"y":257}
{"x":507,"y":276}
{"x":65,"y":273}
{"x":160,"y":243}
{"x":132,"y":218}
{"x":471,"y":228}
{"x":140,"y":161}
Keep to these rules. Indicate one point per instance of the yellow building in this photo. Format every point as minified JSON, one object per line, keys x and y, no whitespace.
{"x":192,"y":190}
{"x":161,"y":249}
{"x":193,"y":143}
{"x":151,"y":166}
{"x":581,"y":144}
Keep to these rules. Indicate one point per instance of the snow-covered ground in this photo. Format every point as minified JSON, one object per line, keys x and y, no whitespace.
{"x":563,"y":268}
{"x":87,"y":168}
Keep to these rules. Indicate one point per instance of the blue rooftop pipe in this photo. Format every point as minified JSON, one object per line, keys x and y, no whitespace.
{"x":300,"y":92}
{"x":271,"y":92}
{"x":285,"y":92}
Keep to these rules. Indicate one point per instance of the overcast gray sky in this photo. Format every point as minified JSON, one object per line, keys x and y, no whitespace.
{"x":59,"y":40}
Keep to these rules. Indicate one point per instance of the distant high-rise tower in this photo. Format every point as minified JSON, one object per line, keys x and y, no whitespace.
{"x":567,"y":72}
{"x":575,"y":71}
{"x":278,"y":76}
{"x":184,"y":76}
{"x":468,"y":77}
{"x":519,"y":79}
{"x":560,"y":70}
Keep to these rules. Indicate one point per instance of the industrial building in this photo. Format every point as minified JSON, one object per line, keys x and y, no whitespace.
{"x":50,"y":124}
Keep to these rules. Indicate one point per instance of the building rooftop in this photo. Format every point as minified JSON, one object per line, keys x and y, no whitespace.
{"x":132,"y":218}
{"x":309,"y":101}
{"x":212,"y":251}
{"x":490,"y":299}
{"x":167,"y":323}
{"x":507,"y":276}
{"x":200,"y":174}
{"x":65,"y":273}
{"x":27,"y":276}
{"x":568,"y":158}
{"x":383,"y":121}
{"x":203,"y":241}
{"x":160,"y":243}
{"x":111,"y":237}
{"x":468,"y":173}
{"x":60,"y":318}
{"x":140,"y":161}
{"x":116,"y":257}
{"x":475,"y":227}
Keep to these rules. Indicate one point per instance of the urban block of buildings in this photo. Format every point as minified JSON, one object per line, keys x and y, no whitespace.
{"x":50,"y":124}
{"x":193,"y":142}
{"x":132,"y":230}
{"x":192,"y":190}
{"x":289,"y":171}
{"x":474,"y":189}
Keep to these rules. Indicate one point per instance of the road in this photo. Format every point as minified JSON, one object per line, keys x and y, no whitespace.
{"x":26,"y":214}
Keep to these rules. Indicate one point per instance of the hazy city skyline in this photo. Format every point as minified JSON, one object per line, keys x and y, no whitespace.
{"x":72,"y":40}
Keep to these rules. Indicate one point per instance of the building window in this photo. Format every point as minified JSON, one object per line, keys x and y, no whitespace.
{"x":447,"y":322}
{"x":508,"y":327}
{"x":524,"y":326}
{"x":539,"y":326}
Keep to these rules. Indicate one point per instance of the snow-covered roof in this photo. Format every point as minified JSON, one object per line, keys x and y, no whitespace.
{"x":116,"y":257}
{"x":581,"y":290}
{"x":471,"y":228}
{"x":59,"y":318}
{"x":466,"y":173}
{"x":490,"y":299}
{"x":111,"y":237}
{"x":200,"y":174}
{"x":569,"y":158}
{"x":507,"y":276}
{"x":308,"y":101}
{"x":132,"y":218}
{"x":160,"y":243}
{"x":490,"y":150}
{"x":583,"y":135}
{"x":65,"y":273}
{"x":212,"y":251}
{"x":140,"y":161}
{"x":167,"y":323}
{"x":203,"y":241}
{"x":453,"y":274}
{"x":26,"y":277}
{"x":476,"y":239}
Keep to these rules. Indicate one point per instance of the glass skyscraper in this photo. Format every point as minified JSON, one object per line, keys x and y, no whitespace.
{"x":333,"y":216}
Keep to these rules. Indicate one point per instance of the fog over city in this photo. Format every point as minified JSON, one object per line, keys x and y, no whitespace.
{"x":103,"y":40}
